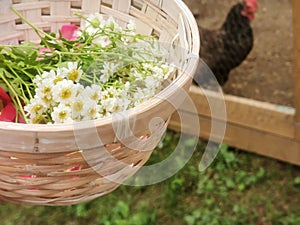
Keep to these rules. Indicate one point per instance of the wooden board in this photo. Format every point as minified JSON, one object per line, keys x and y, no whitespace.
{"x":296,"y":13}
{"x":245,"y":138}
{"x":258,"y":115}
{"x":255,"y":126}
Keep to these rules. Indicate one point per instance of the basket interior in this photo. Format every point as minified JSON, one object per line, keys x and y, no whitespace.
{"x":153,"y":17}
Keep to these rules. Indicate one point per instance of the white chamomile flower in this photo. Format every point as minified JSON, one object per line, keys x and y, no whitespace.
{"x":137,"y":75}
{"x":111,"y":104}
{"x":131,"y":25}
{"x":96,"y":20}
{"x":126,"y":38}
{"x":64,"y":91}
{"x":112,"y":100}
{"x":138,"y":96}
{"x":36,"y":119}
{"x":110,"y":92}
{"x":124,"y":103}
{"x":108,"y":70}
{"x":79,"y":89}
{"x":62,"y":114}
{"x":45,"y":76}
{"x":95,"y":94}
{"x":91,"y":31}
{"x":44,"y":91}
{"x":73,"y":72}
{"x":127,"y":86}
{"x":77,"y":107}
{"x":151,"y":83}
{"x":92,"y":93}
{"x":167,"y":70}
{"x":37,"y":80}
{"x":158,"y":69}
{"x":128,"y":33}
{"x":91,"y":110}
{"x":49,"y":75}
{"x":103,"y":111}
{"x":60,"y":75}
{"x":147,"y":66}
{"x":150,"y":92}
{"x":102,"y":40}
{"x":111,"y":23}
{"x":36,"y":107}
{"x":94,"y":23}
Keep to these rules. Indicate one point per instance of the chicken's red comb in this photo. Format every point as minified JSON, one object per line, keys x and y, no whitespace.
{"x":252,"y":3}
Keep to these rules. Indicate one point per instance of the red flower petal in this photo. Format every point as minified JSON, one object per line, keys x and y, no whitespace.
{"x":8,"y":113}
{"x":21,"y":119}
{"x":4,"y":97}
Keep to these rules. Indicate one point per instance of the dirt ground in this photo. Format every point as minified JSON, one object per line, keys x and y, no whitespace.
{"x":267,"y":73}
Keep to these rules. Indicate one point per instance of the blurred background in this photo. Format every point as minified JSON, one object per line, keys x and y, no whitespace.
{"x":267,"y":73}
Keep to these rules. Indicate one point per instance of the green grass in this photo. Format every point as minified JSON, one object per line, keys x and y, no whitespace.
{"x":238,"y":188}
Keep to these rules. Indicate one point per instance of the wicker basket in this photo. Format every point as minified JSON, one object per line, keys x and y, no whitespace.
{"x":63,"y":164}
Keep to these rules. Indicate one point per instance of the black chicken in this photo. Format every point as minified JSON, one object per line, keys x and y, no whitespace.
{"x":226,"y":48}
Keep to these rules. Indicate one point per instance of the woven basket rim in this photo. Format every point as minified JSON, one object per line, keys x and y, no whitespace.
{"x":179,"y":82}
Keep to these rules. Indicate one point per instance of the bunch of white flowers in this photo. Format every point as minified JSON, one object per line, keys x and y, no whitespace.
{"x":101,"y":30}
{"x":130,"y":72}
{"x":60,"y":99}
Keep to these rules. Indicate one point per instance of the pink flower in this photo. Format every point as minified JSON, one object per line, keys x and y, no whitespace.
{"x":44,"y":50}
{"x":68,"y":31}
{"x":8,"y":111}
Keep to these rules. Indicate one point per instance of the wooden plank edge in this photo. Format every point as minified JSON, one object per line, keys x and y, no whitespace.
{"x":255,"y":114}
{"x":296,"y":19}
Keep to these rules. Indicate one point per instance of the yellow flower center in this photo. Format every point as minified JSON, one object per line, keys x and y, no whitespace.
{"x":103,"y":111}
{"x":66,"y":93}
{"x":37,"y":108}
{"x":105,"y":96}
{"x":47,"y":90}
{"x":62,"y":115}
{"x":47,"y":100}
{"x":92,"y":112}
{"x":57,"y":79}
{"x":73,"y":75}
{"x":78,"y":106}
{"x":94,"y":96}
{"x":111,"y":94}
{"x":37,"y":119}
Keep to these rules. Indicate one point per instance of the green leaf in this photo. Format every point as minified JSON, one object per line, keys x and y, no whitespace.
{"x":122,"y":208}
{"x":190,"y":220}
{"x":241,"y":187}
{"x":229,"y":183}
{"x":297,"y":181}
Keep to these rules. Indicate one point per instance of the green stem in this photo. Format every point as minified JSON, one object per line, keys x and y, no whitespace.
{"x":22,"y":81}
{"x":36,"y":29}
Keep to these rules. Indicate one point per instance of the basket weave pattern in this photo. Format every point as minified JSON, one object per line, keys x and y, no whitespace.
{"x":63,"y":165}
